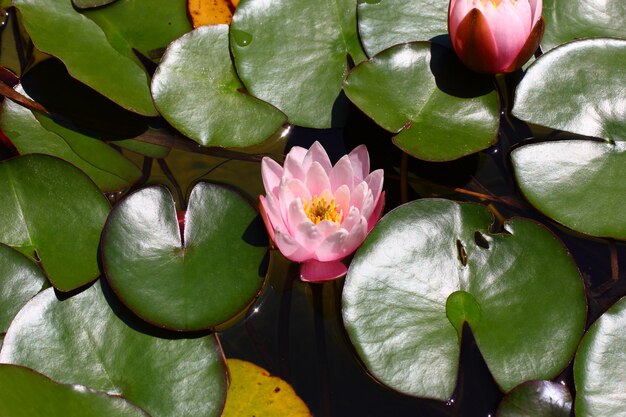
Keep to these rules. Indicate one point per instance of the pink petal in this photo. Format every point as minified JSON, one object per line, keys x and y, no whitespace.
{"x":536,"y":7}
{"x":314,"y":271}
{"x":317,"y":179}
{"x":297,"y":154}
{"x":332,"y":248}
{"x":341,"y":174}
{"x":356,"y":237}
{"x":304,"y":231}
{"x":456,"y":13}
{"x":360,"y":160}
{"x":474,"y":43}
{"x":375,"y":183}
{"x":272,"y":173}
{"x":291,"y":249}
{"x":318,"y":154}
{"x":293,"y":167}
{"x":351,"y":218}
{"x":266,"y":216}
{"x":378,"y":211}
{"x":289,"y":191}
{"x":510,"y":25}
{"x":342,"y":199}
{"x":360,"y":196}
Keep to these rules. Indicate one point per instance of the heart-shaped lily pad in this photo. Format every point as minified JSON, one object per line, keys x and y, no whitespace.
{"x":20,"y":280}
{"x":385,"y":23}
{"x":198,"y":92}
{"x":599,"y":366}
{"x":26,"y":393}
{"x":579,"y":183}
{"x":91,"y":340}
{"x":575,"y":19}
{"x":537,"y":399}
{"x":431,"y":265}
{"x":193,"y":285}
{"x":109,"y":169}
{"x":51,"y":210}
{"x":294,"y":55}
{"x":556,"y":92}
{"x":438,"y":109}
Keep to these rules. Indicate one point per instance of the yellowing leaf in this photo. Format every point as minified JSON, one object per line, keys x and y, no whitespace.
{"x":211,"y":12}
{"x":253,"y":392}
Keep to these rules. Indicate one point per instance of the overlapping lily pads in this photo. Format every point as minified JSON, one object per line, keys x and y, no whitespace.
{"x":599,"y":367}
{"x":90,"y":340}
{"x":294,"y":55}
{"x":437,"y":108}
{"x":26,"y":393}
{"x":52,"y":211}
{"x":198,"y":283}
{"x":198,"y":92}
{"x":537,"y":399}
{"x":430,"y":265}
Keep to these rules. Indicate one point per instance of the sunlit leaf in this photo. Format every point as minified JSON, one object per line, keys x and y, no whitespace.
{"x":253,"y":392}
{"x":537,"y":399}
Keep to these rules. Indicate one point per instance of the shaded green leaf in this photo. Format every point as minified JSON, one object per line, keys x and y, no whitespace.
{"x":537,"y":399}
{"x":86,"y":4}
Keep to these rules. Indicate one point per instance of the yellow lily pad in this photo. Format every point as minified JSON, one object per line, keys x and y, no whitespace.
{"x":254,"y":392}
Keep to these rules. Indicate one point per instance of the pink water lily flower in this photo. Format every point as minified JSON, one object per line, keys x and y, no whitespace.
{"x":495,"y":36}
{"x":317,"y":213}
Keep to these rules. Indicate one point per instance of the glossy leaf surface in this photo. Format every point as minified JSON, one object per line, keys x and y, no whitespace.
{"x":198,"y":92}
{"x":385,"y":23}
{"x":557,"y":93}
{"x":294,"y":55}
{"x":537,"y":399}
{"x":20,"y":280}
{"x":578,"y":183}
{"x":599,"y":366}
{"x":26,"y":393}
{"x":89,"y":339}
{"x":254,"y":392}
{"x":51,"y":209}
{"x":106,"y":167}
{"x":438,"y":109}
{"x":429,"y":265}
{"x":87,"y":53}
{"x":193,"y":285}
{"x":574,"y":19}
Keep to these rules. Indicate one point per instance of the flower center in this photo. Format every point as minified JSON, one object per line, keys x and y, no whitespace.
{"x":318,"y":209}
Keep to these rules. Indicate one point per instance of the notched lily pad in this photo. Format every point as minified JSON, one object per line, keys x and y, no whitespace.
{"x":430,"y":265}
{"x":52,"y":211}
{"x":537,"y":399}
{"x":438,"y":109}
{"x":198,"y":92}
{"x":203,"y":281}
{"x":599,"y":366}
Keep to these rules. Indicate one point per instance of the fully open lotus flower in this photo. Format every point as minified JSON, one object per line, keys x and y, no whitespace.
{"x":495,"y":36}
{"x":318,"y":214}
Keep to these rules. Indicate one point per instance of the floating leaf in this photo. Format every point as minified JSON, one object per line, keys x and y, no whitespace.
{"x":579,"y":183}
{"x":52,"y":210}
{"x":253,"y":392}
{"x":87,"y":4}
{"x":575,"y":19}
{"x":557,"y":93}
{"x":90,"y":340}
{"x":294,"y":55}
{"x":439,"y":109}
{"x":26,"y":393}
{"x":599,"y":366}
{"x":198,"y":92}
{"x":211,"y":12}
{"x":20,"y":280}
{"x":430,"y":265}
{"x":199,"y":283}
{"x":385,"y":23}
{"x":537,"y":399}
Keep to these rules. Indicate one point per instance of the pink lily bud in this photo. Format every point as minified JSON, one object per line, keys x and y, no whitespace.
{"x":495,"y":36}
{"x":316,"y":213}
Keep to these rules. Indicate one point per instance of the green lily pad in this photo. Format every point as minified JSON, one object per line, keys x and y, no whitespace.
{"x":385,"y":23}
{"x":106,"y":167}
{"x":438,"y":109}
{"x":579,"y":183}
{"x":294,"y":55}
{"x":599,"y":366}
{"x":26,"y":393}
{"x":52,"y":211}
{"x":557,"y":93}
{"x":430,"y":265}
{"x":89,"y":339}
{"x":575,"y":19}
{"x":20,"y":280}
{"x":87,"y":4}
{"x":197,"y":90}
{"x":537,"y":399}
{"x":200,"y":283}
{"x":87,"y":53}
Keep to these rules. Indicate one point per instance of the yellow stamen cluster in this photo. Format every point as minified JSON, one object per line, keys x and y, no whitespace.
{"x":318,"y":210}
